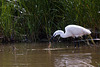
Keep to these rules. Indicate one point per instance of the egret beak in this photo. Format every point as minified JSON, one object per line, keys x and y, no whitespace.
{"x":51,"y":38}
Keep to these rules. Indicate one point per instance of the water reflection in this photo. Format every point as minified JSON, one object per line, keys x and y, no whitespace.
{"x":74,"y":60}
{"x":38,"y":55}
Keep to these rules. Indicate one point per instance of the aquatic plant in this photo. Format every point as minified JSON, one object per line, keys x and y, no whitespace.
{"x":38,"y":19}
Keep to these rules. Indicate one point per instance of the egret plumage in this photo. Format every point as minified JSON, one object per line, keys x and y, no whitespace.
{"x":72,"y":31}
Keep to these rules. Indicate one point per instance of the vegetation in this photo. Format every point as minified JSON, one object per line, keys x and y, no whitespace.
{"x":38,"y":19}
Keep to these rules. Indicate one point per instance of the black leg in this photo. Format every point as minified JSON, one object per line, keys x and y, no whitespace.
{"x":76,"y":42}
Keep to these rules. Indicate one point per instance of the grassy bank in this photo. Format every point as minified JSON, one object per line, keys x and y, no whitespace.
{"x":38,"y":19}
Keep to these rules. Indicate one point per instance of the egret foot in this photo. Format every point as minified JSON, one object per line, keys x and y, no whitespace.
{"x":76,"y":43}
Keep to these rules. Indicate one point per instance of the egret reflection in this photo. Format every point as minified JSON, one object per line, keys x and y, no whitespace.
{"x":74,"y":60}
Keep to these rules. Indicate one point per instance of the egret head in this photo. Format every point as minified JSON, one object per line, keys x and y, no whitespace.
{"x":56,"y":33}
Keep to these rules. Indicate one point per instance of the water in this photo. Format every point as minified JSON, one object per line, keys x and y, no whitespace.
{"x":38,"y":55}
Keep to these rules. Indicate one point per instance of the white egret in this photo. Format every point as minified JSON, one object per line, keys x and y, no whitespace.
{"x":71,"y":31}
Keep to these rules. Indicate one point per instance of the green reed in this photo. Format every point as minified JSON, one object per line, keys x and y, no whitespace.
{"x":38,"y":19}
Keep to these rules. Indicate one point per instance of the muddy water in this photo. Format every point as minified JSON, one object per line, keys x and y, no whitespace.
{"x":38,"y":55}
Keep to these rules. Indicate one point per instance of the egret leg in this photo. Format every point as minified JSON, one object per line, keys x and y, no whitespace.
{"x":76,"y":42}
{"x":79,"y":41}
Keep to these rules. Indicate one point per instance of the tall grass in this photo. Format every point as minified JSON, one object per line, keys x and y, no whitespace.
{"x":38,"y":19}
